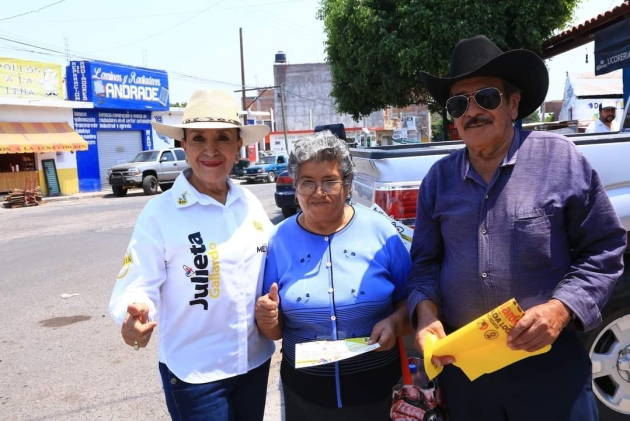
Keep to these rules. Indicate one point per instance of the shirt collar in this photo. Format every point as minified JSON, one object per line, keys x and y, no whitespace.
{"x":509,"y":159}
{"x":184,"y":194}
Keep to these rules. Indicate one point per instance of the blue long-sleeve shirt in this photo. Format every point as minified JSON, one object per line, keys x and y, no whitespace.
{"x":542,"y":228}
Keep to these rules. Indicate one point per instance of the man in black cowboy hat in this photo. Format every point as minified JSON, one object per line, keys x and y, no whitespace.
{"x":514,"y":214}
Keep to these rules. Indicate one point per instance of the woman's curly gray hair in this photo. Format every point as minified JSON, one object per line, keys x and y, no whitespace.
{"x":321,"y":147}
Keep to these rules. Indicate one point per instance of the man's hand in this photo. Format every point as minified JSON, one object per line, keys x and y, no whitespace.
{"x":136,"y":329}
{"x":266,"y":311}
{"x":428,"y":323}
{"x":539,"y":326}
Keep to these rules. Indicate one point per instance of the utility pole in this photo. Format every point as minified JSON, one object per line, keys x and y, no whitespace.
{"x":284,"y":120}
{"x":240,"y":33}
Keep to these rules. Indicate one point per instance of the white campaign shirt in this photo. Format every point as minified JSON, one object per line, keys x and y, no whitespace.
{"x":598,"y":127}
{"x":198,"y":265}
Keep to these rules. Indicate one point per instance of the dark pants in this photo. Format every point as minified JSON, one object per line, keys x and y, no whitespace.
{"x":297,"y":409}
{"x":239,"y":398}
{"x":548,"y":387}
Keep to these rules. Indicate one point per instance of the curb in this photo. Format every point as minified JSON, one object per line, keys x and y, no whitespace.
{"x":92,"y":195}
{"x":77,"y":196}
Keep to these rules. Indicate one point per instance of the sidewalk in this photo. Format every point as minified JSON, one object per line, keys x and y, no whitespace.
{"x":77,"y":196}
{"x":274,"y":409}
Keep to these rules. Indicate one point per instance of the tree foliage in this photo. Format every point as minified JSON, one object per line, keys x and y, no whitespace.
{"x":532,"y":118}
{"x":375,"y":48}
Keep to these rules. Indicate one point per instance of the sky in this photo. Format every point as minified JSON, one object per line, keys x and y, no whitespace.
{"x":197,"y":41}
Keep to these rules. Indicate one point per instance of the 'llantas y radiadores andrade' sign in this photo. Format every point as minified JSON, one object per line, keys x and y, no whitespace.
{"x":111,"y":85}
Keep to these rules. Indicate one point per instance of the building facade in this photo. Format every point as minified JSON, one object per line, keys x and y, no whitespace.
{"x":584,"y":92}
{"x":38,"y":146}
{"x":119,"y":125}
{"x":308,"y":103}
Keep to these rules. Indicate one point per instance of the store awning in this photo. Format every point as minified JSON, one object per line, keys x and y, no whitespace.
{"x":39,"y":137}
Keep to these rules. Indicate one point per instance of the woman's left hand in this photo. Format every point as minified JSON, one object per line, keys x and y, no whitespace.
{"x":384,"y":332}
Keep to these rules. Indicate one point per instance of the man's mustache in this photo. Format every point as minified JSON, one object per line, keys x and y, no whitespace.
{"x":476,"y":121}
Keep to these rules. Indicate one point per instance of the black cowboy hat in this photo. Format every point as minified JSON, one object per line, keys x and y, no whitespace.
{"x":478,"y":56}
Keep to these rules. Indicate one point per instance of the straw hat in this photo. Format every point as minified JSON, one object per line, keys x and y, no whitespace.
{"x":478,"y":56}
{"x":212,"y":109}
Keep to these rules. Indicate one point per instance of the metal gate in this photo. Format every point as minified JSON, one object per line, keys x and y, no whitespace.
{"x":116,"y":148}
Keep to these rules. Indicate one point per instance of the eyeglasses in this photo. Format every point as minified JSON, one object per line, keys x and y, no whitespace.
{"x":308,"y":188}
{"x":487,"y":98}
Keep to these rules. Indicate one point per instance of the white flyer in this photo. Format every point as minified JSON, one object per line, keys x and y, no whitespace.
{"x":309,"y":354}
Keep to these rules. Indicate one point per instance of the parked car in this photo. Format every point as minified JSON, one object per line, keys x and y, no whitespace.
{"x":266,"y":169}
{"x":148,"y":170}
{"x":285,"y":194}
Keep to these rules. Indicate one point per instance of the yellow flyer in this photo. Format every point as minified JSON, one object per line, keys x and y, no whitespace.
{"x":480,"y":347}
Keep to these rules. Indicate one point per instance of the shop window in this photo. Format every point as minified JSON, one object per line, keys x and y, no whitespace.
{"x":17,"y":162}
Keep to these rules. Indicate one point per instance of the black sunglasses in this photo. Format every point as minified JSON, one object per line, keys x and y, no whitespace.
{"x":487,"y":98}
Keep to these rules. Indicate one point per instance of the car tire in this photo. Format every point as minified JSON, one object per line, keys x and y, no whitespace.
{"x":271,"y":177}
{"x":606,"y":346}
{"x":288,"y":211}
{"x":150,"y":185}
{"x":119,"y":191}
{"x":165,"y":186}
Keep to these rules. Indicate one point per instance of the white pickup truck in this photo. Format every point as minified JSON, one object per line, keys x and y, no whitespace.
{"x":390,"y":176}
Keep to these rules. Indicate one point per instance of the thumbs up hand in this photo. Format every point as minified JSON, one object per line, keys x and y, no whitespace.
{"x":267,"y":308}
{"x":273,"y":293}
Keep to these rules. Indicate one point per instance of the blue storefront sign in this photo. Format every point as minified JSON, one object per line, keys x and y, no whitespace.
{"x":612,"y":48}
{"x":111,"y":85}
{"x":88,"y":122}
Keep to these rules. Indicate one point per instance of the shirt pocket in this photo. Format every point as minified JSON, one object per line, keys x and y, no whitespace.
{"x":533,"y":230}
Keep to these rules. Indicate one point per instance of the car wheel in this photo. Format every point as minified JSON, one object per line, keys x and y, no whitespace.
{"x":609,"y":349}
{"x":271,"y":177}
{"x":165,"y":186}
{"x":288,"y":211}
{"x":119,"y":191}
{"x":150,"y":185}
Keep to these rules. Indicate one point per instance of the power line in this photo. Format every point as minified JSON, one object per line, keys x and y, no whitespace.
{"x":33,"y":11}
{"x":58,"y":53}
{"x":308,"y":99}
{"x":161,"y":32}
{"x":136,"y":17}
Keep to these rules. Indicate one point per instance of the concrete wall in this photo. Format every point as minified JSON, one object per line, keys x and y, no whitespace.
{"x":307,"y":99}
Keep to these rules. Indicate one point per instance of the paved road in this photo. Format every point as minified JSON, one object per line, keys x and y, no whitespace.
{"x":62,"y":358}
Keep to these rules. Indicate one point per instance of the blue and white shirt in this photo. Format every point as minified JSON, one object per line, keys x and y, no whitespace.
{"x":334,"y":287}
{"x":198,"y":265}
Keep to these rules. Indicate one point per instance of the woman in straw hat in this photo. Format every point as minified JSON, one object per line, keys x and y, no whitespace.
{"x":194,"y":267}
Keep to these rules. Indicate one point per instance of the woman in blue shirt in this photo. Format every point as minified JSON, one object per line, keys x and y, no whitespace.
{"x":334,"y":271}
